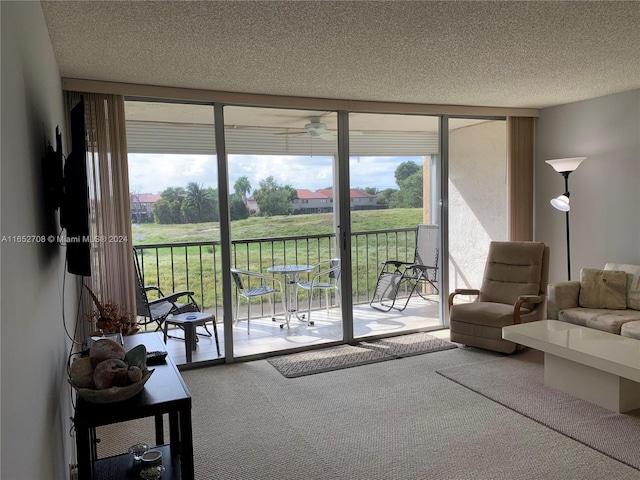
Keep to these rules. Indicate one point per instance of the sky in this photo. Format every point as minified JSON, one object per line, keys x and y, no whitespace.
{"x":153,"y":173}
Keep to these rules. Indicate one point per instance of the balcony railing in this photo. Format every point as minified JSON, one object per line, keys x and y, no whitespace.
{"x":197,"y":266}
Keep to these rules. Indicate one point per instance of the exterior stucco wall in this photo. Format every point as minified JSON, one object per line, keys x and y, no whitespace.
{"x":478,"y":198}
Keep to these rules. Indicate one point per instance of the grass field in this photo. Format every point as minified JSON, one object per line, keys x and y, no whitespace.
{"x":198,"y":267}
{"x":279,"y":226}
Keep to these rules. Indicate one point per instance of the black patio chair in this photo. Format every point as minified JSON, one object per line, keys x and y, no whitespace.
{"x":396,"y":274}
{"x":156,"y":310}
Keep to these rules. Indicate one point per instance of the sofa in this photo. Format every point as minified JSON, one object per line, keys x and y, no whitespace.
{"x":607,"y":299}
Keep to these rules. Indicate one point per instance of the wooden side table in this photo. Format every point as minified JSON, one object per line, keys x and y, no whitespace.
{"x":188,"y":322}
{"x":164,"y":393}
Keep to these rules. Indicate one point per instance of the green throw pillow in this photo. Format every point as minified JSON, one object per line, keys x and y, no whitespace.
{"x":603,"y":289}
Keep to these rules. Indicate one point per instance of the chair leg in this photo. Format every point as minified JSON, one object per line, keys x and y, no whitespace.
{"x":309,"y":322}
{"x":326,"y":294}
{"x":248,"y":314}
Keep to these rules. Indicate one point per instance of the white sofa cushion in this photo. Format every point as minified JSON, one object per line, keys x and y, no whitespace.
{"x":631,"y":329}
{"x":599,"y":318}
{"x":633,"y":282}
{"x":603,"y":289}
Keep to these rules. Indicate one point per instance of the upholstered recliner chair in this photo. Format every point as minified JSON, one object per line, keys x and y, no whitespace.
{"x":513,"y":291}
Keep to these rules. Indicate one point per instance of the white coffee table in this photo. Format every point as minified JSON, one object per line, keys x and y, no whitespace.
{"x":596,"y":366}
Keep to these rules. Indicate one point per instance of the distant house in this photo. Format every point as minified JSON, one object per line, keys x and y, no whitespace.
{"x":312,"y":202}
{"x":359,"y":199}
{"x":321,"y":201}
{"x":142,"y":206}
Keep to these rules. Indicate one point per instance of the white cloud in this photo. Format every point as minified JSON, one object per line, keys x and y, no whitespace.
{"x":152,"y":173}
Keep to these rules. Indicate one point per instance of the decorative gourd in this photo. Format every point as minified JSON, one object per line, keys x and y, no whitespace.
{"x":81,"y":373}
{"x":110,"y":373}
{"x":105,"y":349}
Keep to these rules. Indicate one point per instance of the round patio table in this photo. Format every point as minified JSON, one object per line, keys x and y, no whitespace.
{"x":291,"y":275}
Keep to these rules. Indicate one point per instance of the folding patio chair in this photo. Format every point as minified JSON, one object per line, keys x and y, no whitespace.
{"x":413,"y":276}
{"x":152,"y":311}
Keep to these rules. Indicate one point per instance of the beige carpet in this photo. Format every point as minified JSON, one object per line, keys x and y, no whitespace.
{"x":396,"y":420}
{"x":517,"y":383}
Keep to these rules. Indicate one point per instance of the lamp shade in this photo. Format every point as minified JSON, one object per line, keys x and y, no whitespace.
{"x":561,"y":203}
{"x":565,"y":164}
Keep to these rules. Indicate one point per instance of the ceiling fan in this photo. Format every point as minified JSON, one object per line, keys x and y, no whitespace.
{"x":314,"y":128}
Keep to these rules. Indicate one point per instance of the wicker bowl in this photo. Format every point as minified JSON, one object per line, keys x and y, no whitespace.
{"x":113,"y":394}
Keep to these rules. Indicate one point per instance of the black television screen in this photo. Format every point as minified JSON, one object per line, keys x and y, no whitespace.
{"x":74,"y":212}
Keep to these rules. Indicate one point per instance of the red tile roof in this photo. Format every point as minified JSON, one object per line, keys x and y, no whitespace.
{"x":305,"y":194}
{"x":145,"y":197}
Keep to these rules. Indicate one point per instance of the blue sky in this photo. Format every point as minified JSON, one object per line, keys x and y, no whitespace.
{"x":152,"y":173}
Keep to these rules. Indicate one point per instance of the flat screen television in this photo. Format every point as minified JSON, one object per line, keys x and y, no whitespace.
{"x":74,"y":211}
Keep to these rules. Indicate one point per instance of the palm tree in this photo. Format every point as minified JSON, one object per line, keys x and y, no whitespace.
{"x":242,"y":187}
{"x":198,"y":200}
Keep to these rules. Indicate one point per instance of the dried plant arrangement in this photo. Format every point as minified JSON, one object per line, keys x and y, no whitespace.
{"x":110,"y":318}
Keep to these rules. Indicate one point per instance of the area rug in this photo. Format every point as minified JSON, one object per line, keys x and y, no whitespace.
{"x":517,"y":383}
{"x":346,"y":356}
{"x":324,"y":360}
{"x":409,"y":345}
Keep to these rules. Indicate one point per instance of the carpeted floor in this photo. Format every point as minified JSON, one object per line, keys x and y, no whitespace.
{"x":517,"y":383}
{"x":346,"y":356}
{"x":395,"y":420}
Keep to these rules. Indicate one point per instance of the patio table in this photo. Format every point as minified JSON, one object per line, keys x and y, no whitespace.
{"x":291,"y":275}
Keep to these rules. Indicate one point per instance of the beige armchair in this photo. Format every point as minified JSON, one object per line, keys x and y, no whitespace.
{"x":513,"y":291}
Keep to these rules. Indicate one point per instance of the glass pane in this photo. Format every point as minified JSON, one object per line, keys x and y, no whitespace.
{"x":281,"y":175}
{"x":393,"y":190}
{"x":173,"y":183}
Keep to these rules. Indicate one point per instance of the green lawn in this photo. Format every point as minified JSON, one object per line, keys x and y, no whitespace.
{"x":279,"y":226}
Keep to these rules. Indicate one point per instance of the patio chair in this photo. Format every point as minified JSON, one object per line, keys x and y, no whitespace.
{"x":156,"y":310}
{"x":326,"y":276}
{"x":247,"y":291}
{"x":513,"y":291}
{"x":421,"y":272}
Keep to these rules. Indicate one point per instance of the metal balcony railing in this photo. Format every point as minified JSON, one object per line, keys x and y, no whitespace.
{"x":197,"y":266}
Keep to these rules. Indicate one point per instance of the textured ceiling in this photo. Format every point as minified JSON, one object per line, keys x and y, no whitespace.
{"x":511,"y":54}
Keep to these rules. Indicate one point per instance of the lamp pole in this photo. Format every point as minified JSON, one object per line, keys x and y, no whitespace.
{"x":564,"y":166}
{"x":566,"y":189}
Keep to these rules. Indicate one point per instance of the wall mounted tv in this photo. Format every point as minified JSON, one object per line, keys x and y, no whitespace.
{"x":74,"y":209}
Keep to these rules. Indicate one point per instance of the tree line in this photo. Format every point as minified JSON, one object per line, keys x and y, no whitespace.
{"x":197,"y":204}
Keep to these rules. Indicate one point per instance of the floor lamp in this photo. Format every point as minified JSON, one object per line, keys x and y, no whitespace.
{"x":565,"y":166}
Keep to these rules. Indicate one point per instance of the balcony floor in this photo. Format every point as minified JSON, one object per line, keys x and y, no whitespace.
{"x":267,"y":337}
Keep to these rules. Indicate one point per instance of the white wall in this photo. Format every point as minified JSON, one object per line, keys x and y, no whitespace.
{"x":35,"y":395}
{"x":605,"y":189}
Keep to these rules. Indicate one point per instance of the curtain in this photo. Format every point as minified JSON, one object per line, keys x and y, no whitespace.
{"x":112,"y":275}
{"x":520,"y":137}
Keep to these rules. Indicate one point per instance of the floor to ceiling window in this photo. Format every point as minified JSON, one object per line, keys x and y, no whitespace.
{"x":174,"y":207}
{"x":281,"y":174}
{"x":284,"y":173}
{"x":392,"y":190}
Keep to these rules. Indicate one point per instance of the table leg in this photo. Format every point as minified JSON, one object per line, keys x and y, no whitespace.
{"x":159,"y":430}
{"x":186,"y":444}
{"x":189,"y":340}
{"x":83,"y":443}
{"x":287,"y":299}
{"x":174,"y":431}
